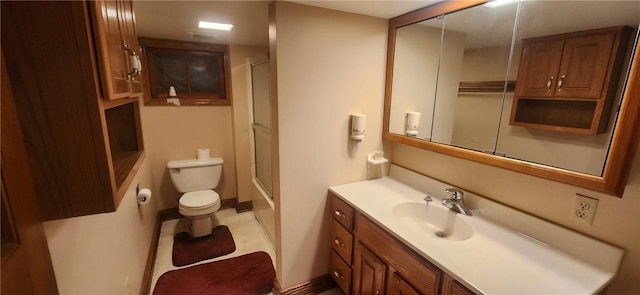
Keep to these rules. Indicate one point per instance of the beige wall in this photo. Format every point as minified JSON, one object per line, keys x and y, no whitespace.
{"x":241,"y":119}
{"x":616,"y":220}
{"x":175,"y":133}
{"x":95,"y":254}
{"x":329,"y":64}
{"x":415,"y":74}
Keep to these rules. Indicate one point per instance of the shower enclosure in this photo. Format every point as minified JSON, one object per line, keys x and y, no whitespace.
{"x":262,"y":183}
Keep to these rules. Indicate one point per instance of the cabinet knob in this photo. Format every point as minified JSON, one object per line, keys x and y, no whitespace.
{"x":339,"y":213}
{"x":549,"y":82}
{"x":337,"y":241}
{"x":337,"y":274}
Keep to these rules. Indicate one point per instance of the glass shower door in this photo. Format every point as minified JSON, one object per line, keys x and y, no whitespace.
{"x":261,"y":124}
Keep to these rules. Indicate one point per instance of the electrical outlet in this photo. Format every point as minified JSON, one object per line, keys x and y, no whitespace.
{"x":584,"y":208}
{"x":127,"y":290}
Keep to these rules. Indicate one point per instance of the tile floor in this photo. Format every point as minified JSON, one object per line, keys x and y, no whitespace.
{"x":247,"y":234}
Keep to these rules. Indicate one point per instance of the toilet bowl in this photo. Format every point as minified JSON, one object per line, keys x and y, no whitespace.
{"x":196,"y":179}
{"x":198,"y":207}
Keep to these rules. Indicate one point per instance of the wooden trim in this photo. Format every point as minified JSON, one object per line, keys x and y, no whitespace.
{"x":486,"y":86}
{"x":315,"y":286}
{"x":623,"y":144}
{"x":156,"y":43}
{"x":244,"y":206}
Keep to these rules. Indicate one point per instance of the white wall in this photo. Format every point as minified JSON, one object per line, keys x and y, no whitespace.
{"x":415,"y":70}
{"x":329,"y":64}
{"x":95,"y":254}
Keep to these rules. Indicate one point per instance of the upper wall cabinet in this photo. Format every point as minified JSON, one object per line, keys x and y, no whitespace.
{"x":84,"y":149}
{"x":565,"y":81}
{"x":118,"y":50}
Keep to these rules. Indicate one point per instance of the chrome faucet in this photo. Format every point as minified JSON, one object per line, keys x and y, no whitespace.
{"x":456,"y":203}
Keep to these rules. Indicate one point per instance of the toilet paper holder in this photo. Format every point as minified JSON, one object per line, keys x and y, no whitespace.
{"x":142,"y":195}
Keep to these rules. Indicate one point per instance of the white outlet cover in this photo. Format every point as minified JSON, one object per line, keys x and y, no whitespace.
{"x":583,"y":215}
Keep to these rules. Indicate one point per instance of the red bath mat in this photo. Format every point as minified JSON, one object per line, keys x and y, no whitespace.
{"x":248,"y":274}
{"x":187,"y":250}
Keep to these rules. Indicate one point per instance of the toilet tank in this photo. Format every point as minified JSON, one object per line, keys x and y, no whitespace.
{"x":194,"y":175}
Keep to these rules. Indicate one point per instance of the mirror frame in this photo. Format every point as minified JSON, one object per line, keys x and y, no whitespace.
{"x":623,"y":144}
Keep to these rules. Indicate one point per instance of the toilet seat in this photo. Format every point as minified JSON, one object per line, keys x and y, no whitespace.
{"x":199,"y":203}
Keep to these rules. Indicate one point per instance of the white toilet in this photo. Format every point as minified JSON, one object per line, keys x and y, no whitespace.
{"x":196,"y":179}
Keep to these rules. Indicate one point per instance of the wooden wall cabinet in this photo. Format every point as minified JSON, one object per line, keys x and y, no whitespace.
{"x":118,"y":50}
{"x":568,"y":82}
{"x":379,"y":264}
{"x":84,"y":149}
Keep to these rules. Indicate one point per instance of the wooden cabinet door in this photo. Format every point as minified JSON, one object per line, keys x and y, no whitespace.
{"x":451,"y":287}
{"x":584,"y":67}
{"x":110,"y":48}
{"x":368,"y":272}
{"x":26,"y":262}
{"x":130,"y":37}
{"x":538,"y":72}
{"x":399,"y":286}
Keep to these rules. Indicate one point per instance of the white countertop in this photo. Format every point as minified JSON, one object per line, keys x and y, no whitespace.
{"x":496,"y":259}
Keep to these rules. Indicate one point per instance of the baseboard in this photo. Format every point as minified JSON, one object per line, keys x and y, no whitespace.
{"x":145,"y":286}
{"x":315,"y":286}
{"x":244,"y":206}
{"x":228,"y":203}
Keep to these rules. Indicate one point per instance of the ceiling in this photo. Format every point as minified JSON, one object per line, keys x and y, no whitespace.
{"x":178,"y":20}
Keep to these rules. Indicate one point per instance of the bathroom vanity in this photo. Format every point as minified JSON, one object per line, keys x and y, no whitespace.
{"x":385,"y":239}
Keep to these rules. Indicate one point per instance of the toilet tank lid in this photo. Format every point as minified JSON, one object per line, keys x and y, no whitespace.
{"x":194,"y":163}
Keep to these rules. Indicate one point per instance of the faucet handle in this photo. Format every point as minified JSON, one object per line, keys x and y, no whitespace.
{"x":428,"y":198}
{"x":456,"y":194}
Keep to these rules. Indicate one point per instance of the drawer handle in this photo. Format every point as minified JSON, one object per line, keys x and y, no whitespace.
{"x":340,"y":214}
{"x":560,"y":82}
{"x":337,"y":241}
{"x":337,"y":274}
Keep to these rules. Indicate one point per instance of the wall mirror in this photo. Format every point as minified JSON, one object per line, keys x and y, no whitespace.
{"x":553,"y":96}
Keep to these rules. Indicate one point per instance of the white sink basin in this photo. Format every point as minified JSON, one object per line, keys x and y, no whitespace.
{"x":435,"y":222}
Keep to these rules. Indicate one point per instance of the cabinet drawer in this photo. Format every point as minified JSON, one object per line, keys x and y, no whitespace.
{"x":340,"y":272}
{"x":342,"y":212}
{"x":341,"y":241}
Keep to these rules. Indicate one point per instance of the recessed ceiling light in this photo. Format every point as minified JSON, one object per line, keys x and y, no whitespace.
{"x":215,"y":26}
{"x":498,"y":3}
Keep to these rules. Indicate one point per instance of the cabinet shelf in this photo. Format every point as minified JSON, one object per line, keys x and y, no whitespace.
{"x":123,"y":163}
{"x":574,"y":116}
{"x":123,"y":128}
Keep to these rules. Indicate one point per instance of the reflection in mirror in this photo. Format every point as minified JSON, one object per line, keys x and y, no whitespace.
{"x":415,"y":73}
{"x":476,"y":49}
{"x":584,"y":153}
{"x":459,"y":70}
